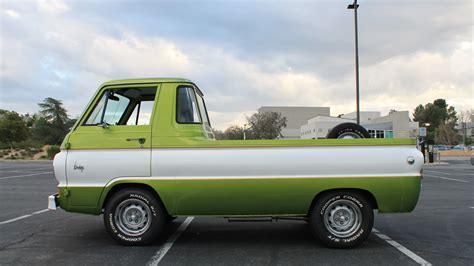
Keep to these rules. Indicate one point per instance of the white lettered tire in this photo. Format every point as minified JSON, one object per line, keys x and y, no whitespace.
{"x":134,"y":216}
{"x":342,"y":219}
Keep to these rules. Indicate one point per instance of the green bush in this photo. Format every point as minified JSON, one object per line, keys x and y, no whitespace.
{"x":30,"y":143}
{"x":52,"y":150}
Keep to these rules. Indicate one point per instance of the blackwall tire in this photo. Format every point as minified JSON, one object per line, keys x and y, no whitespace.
{"x":134,"y":217}
{"x":342,"y":219}
{"x":348,"y":130}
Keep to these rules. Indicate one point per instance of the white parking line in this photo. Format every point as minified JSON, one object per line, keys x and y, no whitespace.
{"x":169,"y":243}
{"x":438,"y":172}
{"x":23,"y":217}
{"x":15,"y":176}
{"x":401,"y":248}
{"x":447,"y":178}
{"x":25,"y":169}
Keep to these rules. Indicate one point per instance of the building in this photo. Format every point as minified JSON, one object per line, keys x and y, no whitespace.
{"x":365,"y":116}
{"x":396,"y":124}
{"x":318,"y":127}
{"x":296,"y":117}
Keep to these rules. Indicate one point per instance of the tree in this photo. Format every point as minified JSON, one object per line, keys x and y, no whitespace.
{"x":12,"y":128}
{"x":265,"y":125}
{"x":29,"y":119}
{"x":53,"y":111}
{"x":445,"y":134}
{"x":464,"y":117}
{"x":233,"y":132}
{"x":53,"y":122}
{"x":439,"y":115}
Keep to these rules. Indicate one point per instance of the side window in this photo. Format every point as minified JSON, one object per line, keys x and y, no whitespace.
{"x":114,"y":109}
{"x":141,"y":114}
{"x":124,"y":106}
{"x":186,"y":106}
{"x":203,"y":110}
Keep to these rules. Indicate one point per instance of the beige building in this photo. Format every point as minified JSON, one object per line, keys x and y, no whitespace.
{"x":296,"y":117}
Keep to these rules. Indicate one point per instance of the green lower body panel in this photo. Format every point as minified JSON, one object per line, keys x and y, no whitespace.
{"x":285,"y":196}
{"x":252,"y":196}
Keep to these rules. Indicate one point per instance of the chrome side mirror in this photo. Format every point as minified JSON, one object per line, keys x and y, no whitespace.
{"x":103,"y":125}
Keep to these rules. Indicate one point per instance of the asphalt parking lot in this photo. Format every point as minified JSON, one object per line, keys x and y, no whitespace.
{"x":440,"y":230}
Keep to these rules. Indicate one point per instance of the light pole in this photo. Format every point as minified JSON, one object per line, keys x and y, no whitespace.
{"x":245,"y":127}
{"x":355,"y":6}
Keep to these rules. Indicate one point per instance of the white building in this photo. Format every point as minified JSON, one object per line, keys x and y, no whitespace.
{"x":295,"y":116}
{"x":365,"y":116}
{"x":394,"y":125}
{"x":319,"y":126}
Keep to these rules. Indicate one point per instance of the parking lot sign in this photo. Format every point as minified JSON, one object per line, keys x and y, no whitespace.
{"x":422,"y":132}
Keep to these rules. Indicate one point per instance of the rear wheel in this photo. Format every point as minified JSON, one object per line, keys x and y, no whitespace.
{"x":134,"y":217}
{"x":348,"y":131}
{"x":342,"y":219}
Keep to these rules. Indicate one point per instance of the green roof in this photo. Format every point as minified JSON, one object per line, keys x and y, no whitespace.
{"x":145,"y":80}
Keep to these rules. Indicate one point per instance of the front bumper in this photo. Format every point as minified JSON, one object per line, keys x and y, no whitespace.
{"x":52,"y":204}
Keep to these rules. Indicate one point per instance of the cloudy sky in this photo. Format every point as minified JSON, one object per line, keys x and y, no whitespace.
{"x":242,"y":54}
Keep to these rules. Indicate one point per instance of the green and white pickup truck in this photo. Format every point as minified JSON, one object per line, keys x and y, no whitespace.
{"x":143,"y":152}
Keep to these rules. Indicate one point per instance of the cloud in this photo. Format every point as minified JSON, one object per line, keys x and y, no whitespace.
{"x":52,"y":6}
{"x":242,"y":57}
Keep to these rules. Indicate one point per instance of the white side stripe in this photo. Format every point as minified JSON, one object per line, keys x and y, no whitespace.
{"x":401,"y":248}
{"x":169,"y":243}
{"x":15,"y":176}
{"x":22,"y":217}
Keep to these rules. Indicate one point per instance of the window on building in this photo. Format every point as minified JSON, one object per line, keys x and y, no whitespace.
{"x":372,"y":133}
{"x":380,"y":134}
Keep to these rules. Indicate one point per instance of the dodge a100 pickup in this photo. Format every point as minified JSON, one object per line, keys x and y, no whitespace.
{"x":143,"y":152}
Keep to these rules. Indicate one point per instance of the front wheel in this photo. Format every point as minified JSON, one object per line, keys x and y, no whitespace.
{"x":134,"y":217}
{"x":342,"y":219}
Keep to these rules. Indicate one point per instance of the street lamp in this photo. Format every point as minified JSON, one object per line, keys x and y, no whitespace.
{"x":355,"y":6}
{"x":245,"y":128}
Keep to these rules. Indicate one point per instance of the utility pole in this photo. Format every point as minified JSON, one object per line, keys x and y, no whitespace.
{"x":355,"y":6}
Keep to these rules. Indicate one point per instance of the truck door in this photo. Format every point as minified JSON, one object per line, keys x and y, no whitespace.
{"x":112,"y":140}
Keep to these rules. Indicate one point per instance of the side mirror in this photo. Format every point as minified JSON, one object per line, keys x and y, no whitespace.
{"x":103,"y":125}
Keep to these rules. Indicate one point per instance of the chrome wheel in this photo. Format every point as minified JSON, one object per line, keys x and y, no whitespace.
{"x":133,"y":217}
{"x":342,"y":218}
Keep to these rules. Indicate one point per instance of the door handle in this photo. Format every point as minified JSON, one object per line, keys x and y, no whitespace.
{"x":140,"y":140}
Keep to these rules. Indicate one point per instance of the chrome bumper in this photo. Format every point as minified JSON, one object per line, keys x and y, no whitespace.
{"x":52,"y":202}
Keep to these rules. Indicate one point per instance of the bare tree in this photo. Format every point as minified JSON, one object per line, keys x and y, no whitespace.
{"x":464,"y":117}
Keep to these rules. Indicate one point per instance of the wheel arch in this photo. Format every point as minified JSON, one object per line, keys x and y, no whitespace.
{"x":110,"y":190}
{"x":367,"y":194}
